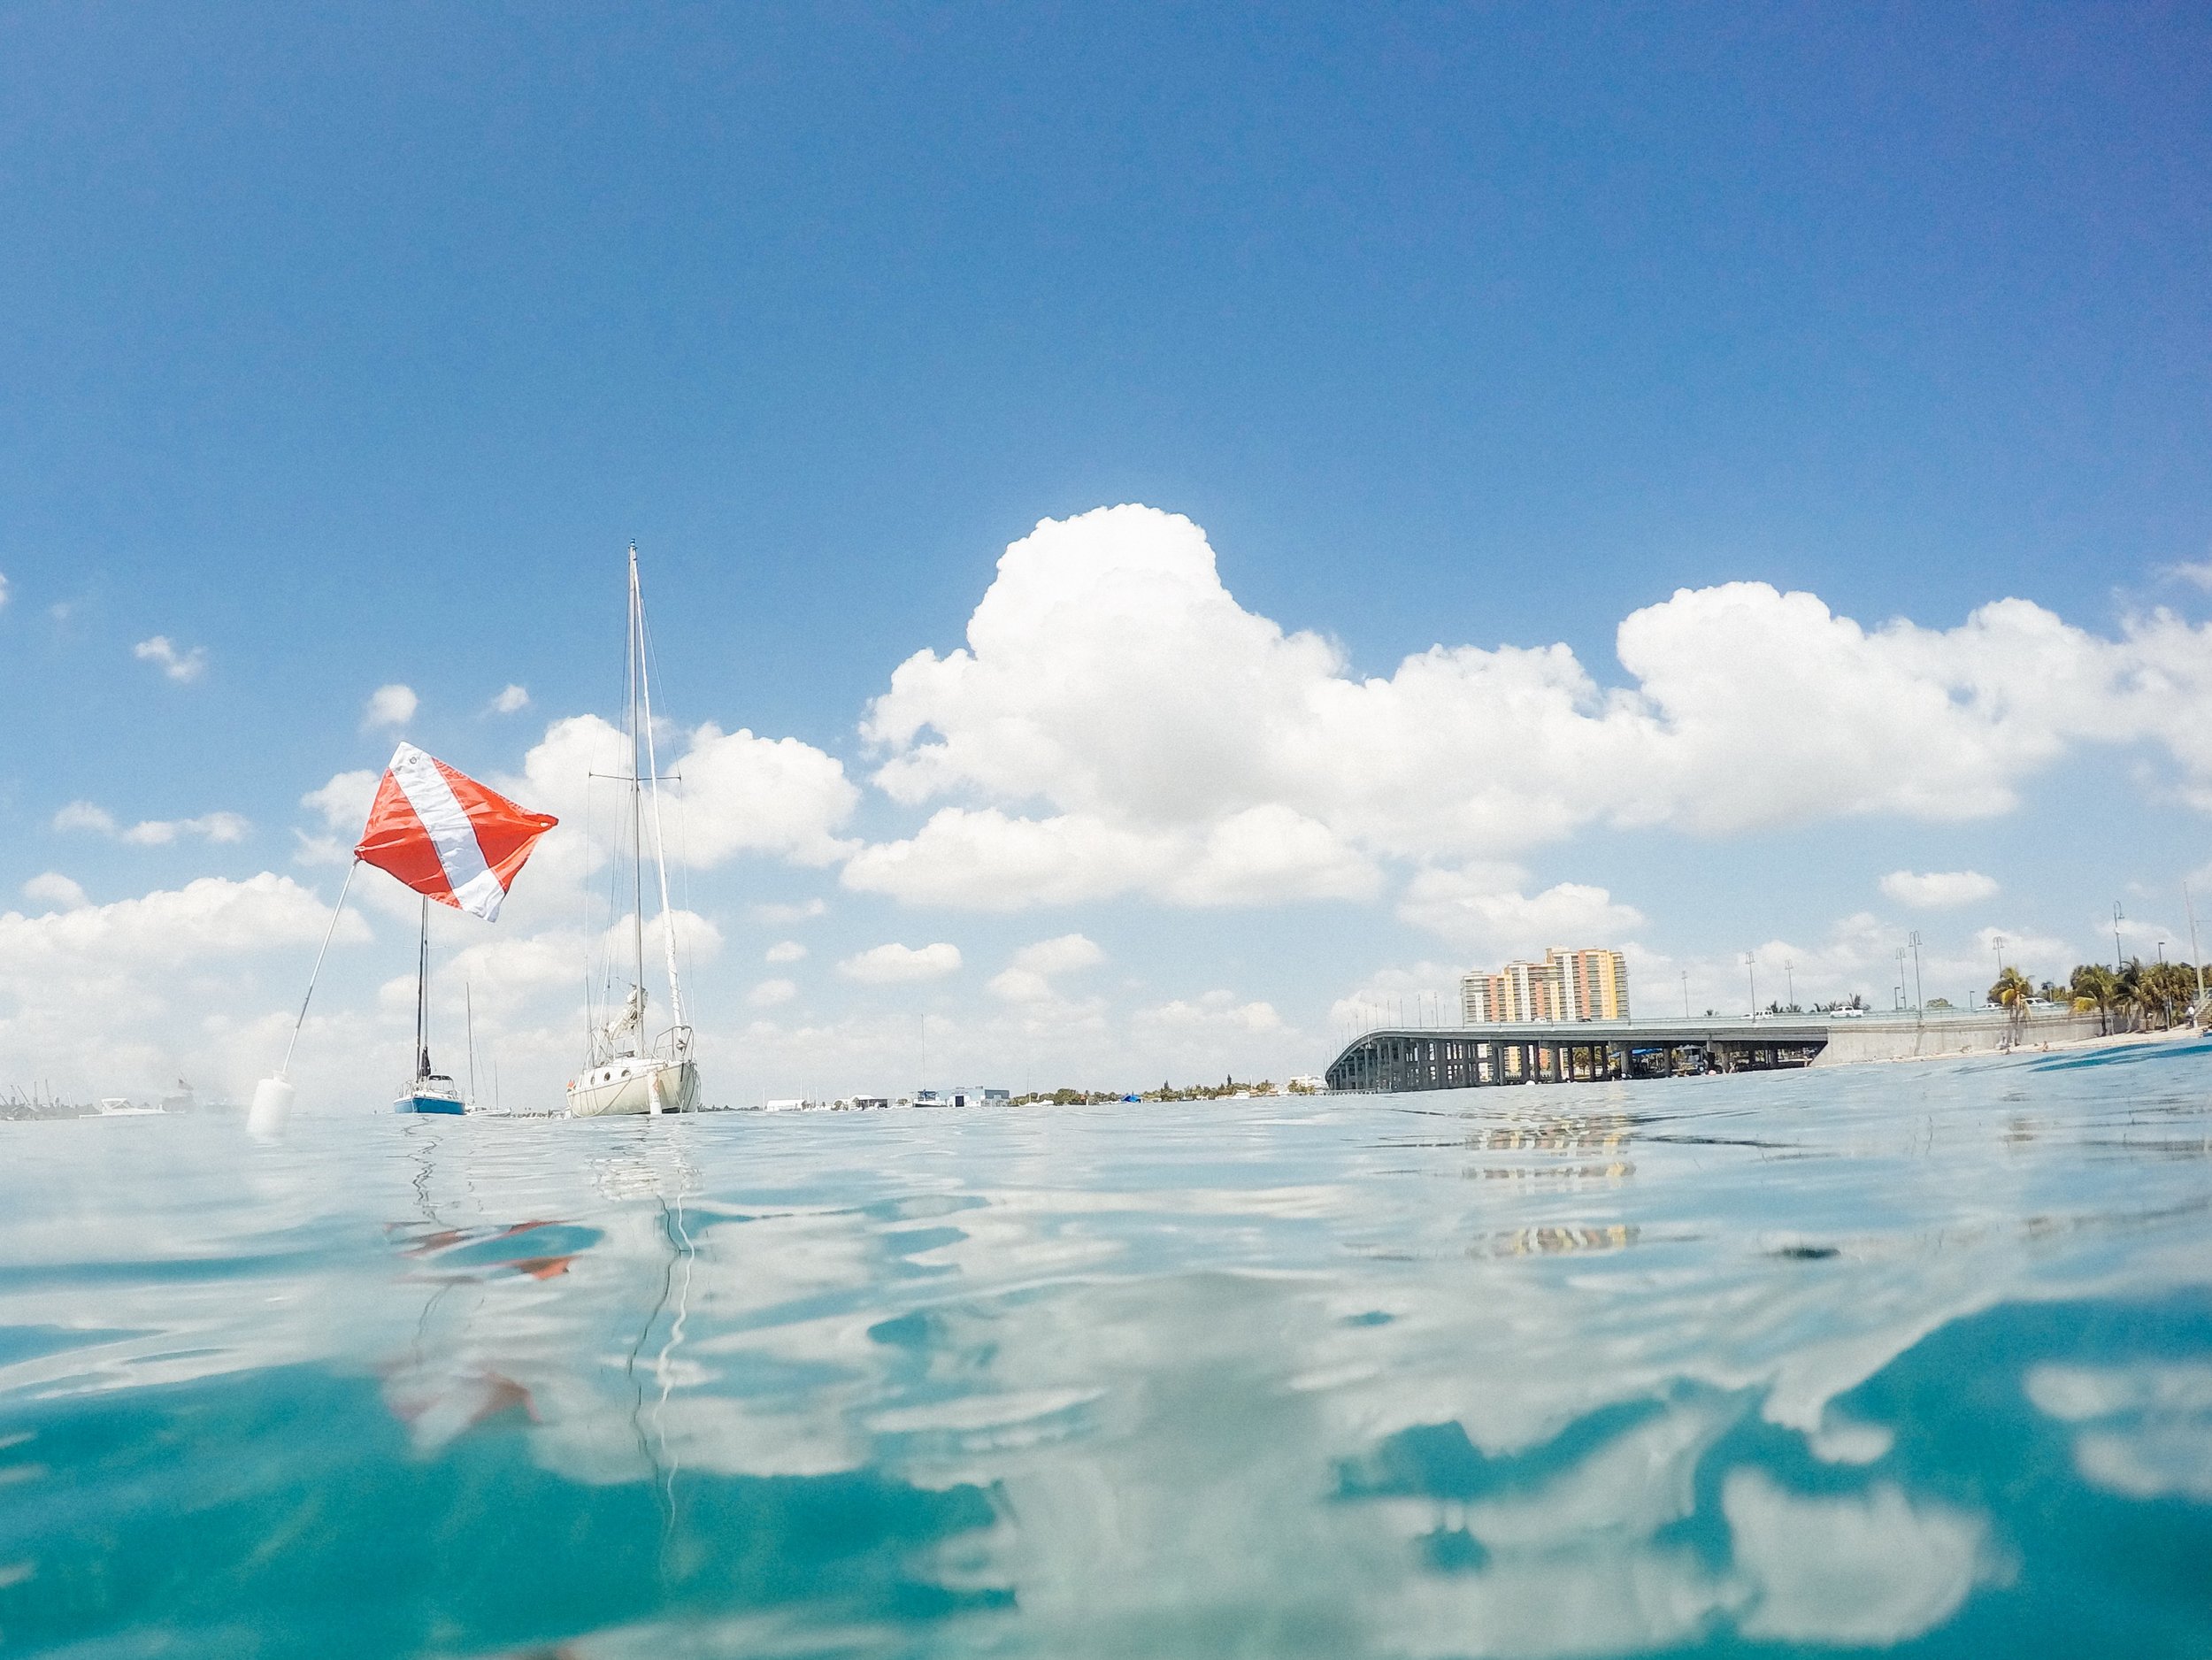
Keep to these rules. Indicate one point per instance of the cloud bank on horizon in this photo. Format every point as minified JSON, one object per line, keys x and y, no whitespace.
{"x":1118,"y":729}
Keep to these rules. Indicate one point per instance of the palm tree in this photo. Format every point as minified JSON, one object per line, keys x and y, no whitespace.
{"x":2162,"y":987}
{"x":2095,"y":985}
{"x":2013,"y":989}
{"x":2129,"y":998}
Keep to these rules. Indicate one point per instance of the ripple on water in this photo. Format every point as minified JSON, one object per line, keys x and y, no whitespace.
{"x":1799,"y":1362}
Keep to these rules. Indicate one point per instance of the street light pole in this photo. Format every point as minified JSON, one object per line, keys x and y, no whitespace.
{"x":1685,"y":991}
{"x":1789,"y":982}
{"x":1919,"y":1003}
{"x":2118,"y":916}
{"x":1753,"y":972}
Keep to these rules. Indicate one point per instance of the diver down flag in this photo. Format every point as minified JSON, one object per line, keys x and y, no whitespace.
{"x":446,"y":836}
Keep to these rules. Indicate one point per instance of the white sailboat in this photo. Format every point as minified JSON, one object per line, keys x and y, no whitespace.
{"x":624,"y":1071}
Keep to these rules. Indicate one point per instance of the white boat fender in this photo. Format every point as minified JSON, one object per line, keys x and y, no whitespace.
{"x":272,"y":1106}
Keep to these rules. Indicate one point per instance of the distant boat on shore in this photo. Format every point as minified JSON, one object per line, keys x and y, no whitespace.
{"x":119,"y":1107}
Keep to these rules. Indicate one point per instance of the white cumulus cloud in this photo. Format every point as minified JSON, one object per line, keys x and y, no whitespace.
{"x":738,"y":793}
{"x":1482,"y":907}
{"x":895,"y":965}
{"x":1063,"y":955}
{"x":1028,"y":979}
{"x":1932,"y":890}
{"x":742,"y":794}
{"x":987,"y":859}
{"x":1117,"y":723}
{"x":1214,"y":1009}
{"x":1193,"y":1036}
{"x":778,"y":913}
{"x":83,"y":815}
{"x":183,"y":667}
{"x":153,"y":833}
{"x":53,"y":890}
{"x":392,"y":705}
{"x":770,"y":994}
{"x":509,"y":699}
{"x":342,"y":805}
{"x":211,"y":915}
{"x":785,"y":951}
{"x":143,"y":989}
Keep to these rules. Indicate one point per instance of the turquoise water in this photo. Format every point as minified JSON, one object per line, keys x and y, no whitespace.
{"x":1895,"y":1357}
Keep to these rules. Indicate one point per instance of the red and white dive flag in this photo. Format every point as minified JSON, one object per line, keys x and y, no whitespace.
{"x":444,"y":834}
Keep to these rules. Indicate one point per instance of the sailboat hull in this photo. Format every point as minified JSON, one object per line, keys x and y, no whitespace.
{"x":429,"y":1103}
{"x":434,"y":1093}
{"x":629,"y":1086}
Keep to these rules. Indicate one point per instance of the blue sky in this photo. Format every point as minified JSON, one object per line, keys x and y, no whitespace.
{"x":350,"y":350}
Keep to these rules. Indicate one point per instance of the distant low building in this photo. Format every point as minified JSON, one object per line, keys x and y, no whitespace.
{"x":1589,"y":984}
{"x":962,"y":1095}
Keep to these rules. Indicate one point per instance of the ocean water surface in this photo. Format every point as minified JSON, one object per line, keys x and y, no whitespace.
{"x":1912,"y":1357}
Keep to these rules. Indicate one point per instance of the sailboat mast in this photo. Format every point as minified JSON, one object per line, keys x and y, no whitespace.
{"x":422,"y":998}
{"x":653,"y":783}
{"x":633,"y":649}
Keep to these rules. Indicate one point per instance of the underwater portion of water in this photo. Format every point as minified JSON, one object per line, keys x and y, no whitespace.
{"x":1912,"y":1357}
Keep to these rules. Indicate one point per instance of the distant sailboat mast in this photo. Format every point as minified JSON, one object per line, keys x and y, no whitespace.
{"x":422,"y":997}
{"x":634,"y":651}
{"x":653,"y":785}
{"x":645,"y":817}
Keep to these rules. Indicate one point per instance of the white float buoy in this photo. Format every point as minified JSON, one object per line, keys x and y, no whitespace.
{"x":272,"y":1106}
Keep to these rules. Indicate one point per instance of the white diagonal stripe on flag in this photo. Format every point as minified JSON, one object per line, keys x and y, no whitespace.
{"x":474,"y":886}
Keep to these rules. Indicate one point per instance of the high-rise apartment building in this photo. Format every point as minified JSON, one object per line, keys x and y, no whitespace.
{"x":1596,"y":983}
{"x":1591,"y":984}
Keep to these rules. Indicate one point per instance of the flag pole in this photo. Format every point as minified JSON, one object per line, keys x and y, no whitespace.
{"x":338,"y":911}
{"x":272,"y":1097}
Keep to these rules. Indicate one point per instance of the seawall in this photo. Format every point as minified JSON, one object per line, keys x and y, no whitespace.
{"x":1890,"y":1039}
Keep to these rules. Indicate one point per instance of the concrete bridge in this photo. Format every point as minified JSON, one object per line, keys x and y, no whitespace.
{"x":1397,"y":1058}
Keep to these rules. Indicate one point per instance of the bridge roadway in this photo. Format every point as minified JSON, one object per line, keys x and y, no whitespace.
{"x":1395,"y":1058}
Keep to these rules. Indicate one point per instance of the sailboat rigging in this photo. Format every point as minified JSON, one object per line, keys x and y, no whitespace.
{"x":623,"y":1073}
{"x":431,"y":1091}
